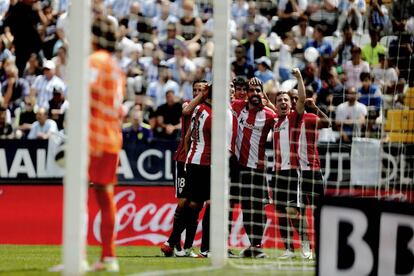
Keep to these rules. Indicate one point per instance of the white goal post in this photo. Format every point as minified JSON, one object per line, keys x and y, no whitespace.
{"x":76,"y":178}
{"x":219,"y":155}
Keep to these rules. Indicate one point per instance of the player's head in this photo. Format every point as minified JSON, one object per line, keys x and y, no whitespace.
{"x":103,"y":34}
{"x":240,"y":88}
{"x":294,"y":96}
{"x":283,"y":103}
{"x":255,"y":92}
{"x":198,"y":87}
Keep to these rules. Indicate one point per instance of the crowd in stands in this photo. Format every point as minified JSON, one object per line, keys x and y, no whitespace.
{"x":355,"y":57}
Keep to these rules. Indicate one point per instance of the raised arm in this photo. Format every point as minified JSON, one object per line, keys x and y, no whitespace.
{"x":300,"y":105}
{"x":323,"y":119}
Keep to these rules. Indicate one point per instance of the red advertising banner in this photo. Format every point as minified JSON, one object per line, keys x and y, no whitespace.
{"x":33,"y":215}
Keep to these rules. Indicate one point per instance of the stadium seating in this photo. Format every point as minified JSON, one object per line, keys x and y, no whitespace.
{"x":400,"y":124}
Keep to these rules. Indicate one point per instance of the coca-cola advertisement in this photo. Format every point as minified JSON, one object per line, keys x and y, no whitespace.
{"x":33,"y":215}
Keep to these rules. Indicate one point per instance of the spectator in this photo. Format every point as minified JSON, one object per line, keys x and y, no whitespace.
{"x":254,"y":18}
{"x":58,"y":106}
{"x":168,"y":118}
{"x":14,"y":89}
{"x":239,"y":10}
{"x":302,"y":32}
{"x":119,"y":8}
{"x":255,"y":47}
{"x":335,"y":88}
{"x":33,"y":69}
{"x":378,"y":18}
{"x":4,"y":51}
{"x":351,"y":12}
{"x":136,"y":131}
{"x":48,"y":32}
{"x":402,"y":10}
{"x":343,"y":51}
{"x":324,"y":12}
{"x":25,"y":116}
{"x":385,"y":76}
{"x":311,"y":77}
{"x":371,"y":50}
{"x":23,"y":19}
{"x":139,"y":27}
{"x":157,"y":89}
{"x":370,"y":95}
{"x":43,"y":128}
{"x":240,"y":67}
{"x":263,"y":73}
{"x":44,"y":85}
{"x":182,"y":68}
{"x":172,"y":41}
{"x":285,"y":57}
{"x":288,"y":12}
{"x":190,"y":27}
{"x":162,"y":21}
{"x":323,"y":47}
{"x":60,"y":60}
{"x":350,"y":117}
{"x":6,"y":129}
{"x":353,"y":68}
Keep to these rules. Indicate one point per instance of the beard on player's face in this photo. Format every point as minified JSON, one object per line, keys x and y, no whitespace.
{"x":255,"y":100}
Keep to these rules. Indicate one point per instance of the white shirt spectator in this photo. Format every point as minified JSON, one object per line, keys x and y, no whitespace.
{"x":344,"y":111}
{"x":353,"y":72}
{"x":187,"y":66}
{"x":384,"y":77}
{"x":285,"y":57}
{"x":302,"y":4}
{"x":49,"y":127}
{"x":44,"y":89}
{"x":157,"y":91}
{"x":239,"y":10}
{"x":302,"y":39}
{"x":120,"y":8}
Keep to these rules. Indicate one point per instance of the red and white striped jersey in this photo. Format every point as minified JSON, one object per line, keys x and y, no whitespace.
{"x":253,"y":126}
{"x":200,"y":148}
{"x":284,"y":142}
{"x":180,"y":154}
{"x":307,"y":147}
{"x":231,"y":131}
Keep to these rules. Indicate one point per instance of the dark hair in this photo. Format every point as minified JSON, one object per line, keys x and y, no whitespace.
{"x":104,"y":34}
{"x":199,"y":81}
{"x":210,"y":91}
{"x":239,"y":81}
{"x":303,"y":18}
{"x":365,"y":75}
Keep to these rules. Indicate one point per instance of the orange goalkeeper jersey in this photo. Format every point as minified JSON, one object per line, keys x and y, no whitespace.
{"x":107,"y":85}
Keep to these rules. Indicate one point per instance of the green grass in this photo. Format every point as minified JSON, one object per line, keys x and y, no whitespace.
{"x":35,"y":260}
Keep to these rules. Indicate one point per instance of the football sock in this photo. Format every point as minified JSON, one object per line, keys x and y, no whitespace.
{"x":192,"y":222}
{"x":179,"y":224}
{"x":105,"y":199}
{"x":205,"y":240}
{"x":284,"y":228}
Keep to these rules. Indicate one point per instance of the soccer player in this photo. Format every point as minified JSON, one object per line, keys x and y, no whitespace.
{"x":105,"y":138}
{"x":254,"y":123}
{"x":172,"y":246}
{"x":198,"y":146}
{"x":240,"y":88}
{"x":309,"y":163}
{"x":286,"y":164}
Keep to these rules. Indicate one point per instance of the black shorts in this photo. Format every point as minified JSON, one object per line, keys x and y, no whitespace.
{"x":198,"y":181}
{"x":285,"y":188}
{"x":312,"y":187}
{"x":181,"y":187}
{"x":252,"y":185}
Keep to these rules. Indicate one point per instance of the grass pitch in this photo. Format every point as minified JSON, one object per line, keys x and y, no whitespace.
{"x":140,"y":260}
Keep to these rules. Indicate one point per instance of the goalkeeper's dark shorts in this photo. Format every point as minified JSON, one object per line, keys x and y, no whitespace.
{"x":312,"y":187}
{"x":285,"y":188}
{"x":180,"y":175}
{"x":252,"y":185}
{"x":198,"y":181}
